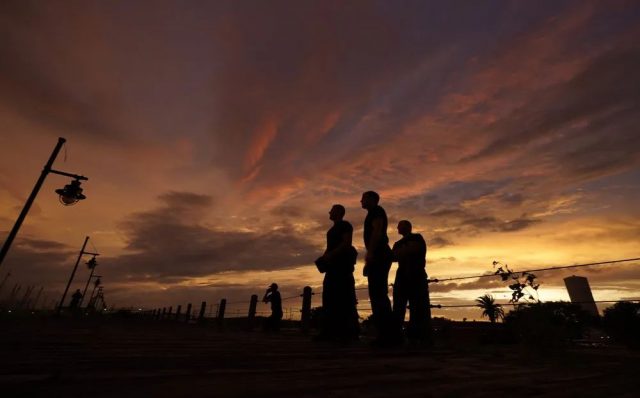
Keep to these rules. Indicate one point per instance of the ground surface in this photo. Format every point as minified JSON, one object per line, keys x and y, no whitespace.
{"x":56,"y":358}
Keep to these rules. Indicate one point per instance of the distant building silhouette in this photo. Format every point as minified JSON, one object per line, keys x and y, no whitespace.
{"x":580,"y":292}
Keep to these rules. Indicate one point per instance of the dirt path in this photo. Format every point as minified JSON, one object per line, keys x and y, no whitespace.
{"x":118,"y":359}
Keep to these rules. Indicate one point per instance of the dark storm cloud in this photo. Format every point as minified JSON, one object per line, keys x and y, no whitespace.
{"x":439,"y":241}
{"x":603,"y":99}
{"x":31,"y":57}
{"x":464,"y":220}
{"x":494,"y":224}
{"x":446,"y":200}
{"x":288,"y":211}
{"x":468,"y":207}
{"x":169,"y":244}
{"x":42,"y":245}
{"x":482,"y":283}
{"x":38,"y":261}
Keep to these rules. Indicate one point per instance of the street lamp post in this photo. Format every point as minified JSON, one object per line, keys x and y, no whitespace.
{"x":92,"y":264}
{"x":73,"y":273}
{"x":69,"y":195}
{"x":95,"y":285}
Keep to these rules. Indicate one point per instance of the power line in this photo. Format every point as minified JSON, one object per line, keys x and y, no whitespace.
{"x":518,"y":304}
{"x":436,"y":280}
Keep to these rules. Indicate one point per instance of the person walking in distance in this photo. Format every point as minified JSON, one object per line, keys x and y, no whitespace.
{"x":376,"y":269}
{"x":272,"y":295}
{"x":411,"y":285}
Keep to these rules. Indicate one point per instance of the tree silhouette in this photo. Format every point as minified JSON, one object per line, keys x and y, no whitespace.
{"x":522,"y":281}
{"x":490,"y":308}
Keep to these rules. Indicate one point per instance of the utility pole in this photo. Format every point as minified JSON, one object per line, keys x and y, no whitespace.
{"x":73,"y":273}
{"x":35,"y":301}
{"x":92,"y":264}
{"x":71,"y":192}
{"x":4,"y":280}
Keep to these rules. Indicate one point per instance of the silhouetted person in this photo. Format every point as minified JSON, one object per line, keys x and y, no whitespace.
{"x":75,"y":299}
{"x":272,"y":295}
{"x":376,"y":269}
{"x":411,"y":284}
{"x":340,"y":316}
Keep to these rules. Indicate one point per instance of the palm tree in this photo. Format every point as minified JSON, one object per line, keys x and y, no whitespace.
{"x":489,"y":307}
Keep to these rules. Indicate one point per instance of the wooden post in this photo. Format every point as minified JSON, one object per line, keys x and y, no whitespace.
{"x":187,"y":315}
{"x":221,"y":309}
{"x":164,"y":312}
{"x":178,"y":310}
{"x":251,"y":318}
{"x":203,"y":307}
{"x":170,"y":312}
{"x":305,"y":318}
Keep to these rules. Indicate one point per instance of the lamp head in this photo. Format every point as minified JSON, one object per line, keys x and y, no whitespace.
{"x":71,"y":193}
{"x":91,"y":264}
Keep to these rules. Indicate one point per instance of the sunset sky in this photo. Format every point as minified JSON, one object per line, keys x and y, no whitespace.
{"x":216,"y":135}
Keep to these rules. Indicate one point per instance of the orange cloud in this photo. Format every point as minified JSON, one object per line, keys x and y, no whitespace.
{"x":260,"y":141}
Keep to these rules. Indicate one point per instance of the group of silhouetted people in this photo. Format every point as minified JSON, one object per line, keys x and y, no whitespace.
{"x":339,"y":303}
{"x":339,"y":317}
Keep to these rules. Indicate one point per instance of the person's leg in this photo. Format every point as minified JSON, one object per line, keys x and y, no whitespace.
{"x":416,"y":310}
{"x":380,"y":304}
{"x":352,"y":312}
{"x":400,"y":298}
{"x":428,"y":330}
{"x":420,"y":311}
{"x":342,"y":307}
{"x":329,"y":303}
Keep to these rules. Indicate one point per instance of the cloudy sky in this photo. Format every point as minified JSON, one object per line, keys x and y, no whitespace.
{"x":216,"y":135}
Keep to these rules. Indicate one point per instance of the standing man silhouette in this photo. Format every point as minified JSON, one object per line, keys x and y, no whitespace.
{"x":272,"y":295}
{"x":75,"y":299}
{"x":340,"y":317}
{"x":376,"y":269}
{"x":411,"y":285}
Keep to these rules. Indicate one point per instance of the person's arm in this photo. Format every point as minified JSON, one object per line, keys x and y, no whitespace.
{"x":345,"y":243}
{"x":267,"y":297}
{"x":396,"y":252}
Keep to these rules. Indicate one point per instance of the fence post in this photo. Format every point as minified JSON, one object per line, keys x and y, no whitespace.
{"x":203,"y":307}
{"x":170,"y":312}
{"x":164,"y":313}
{"x":158,"y":314}
{"x":187,"y":315}
{"x":221,"y":309}
{"x":306,"y":308}
{"x":178,"y":310}
{"x":251,"y":318}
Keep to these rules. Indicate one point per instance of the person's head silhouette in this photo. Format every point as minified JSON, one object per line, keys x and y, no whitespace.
{"x":370,"y":199}
{"x":404,"y":227}
{"x":337,"y":213}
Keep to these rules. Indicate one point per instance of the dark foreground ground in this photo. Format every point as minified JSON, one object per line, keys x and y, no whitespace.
{"x":66,"y":358}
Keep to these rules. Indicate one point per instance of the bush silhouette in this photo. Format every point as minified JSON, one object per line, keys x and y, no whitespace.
{"x":622,"y":322}
{"x":547,"y":324}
